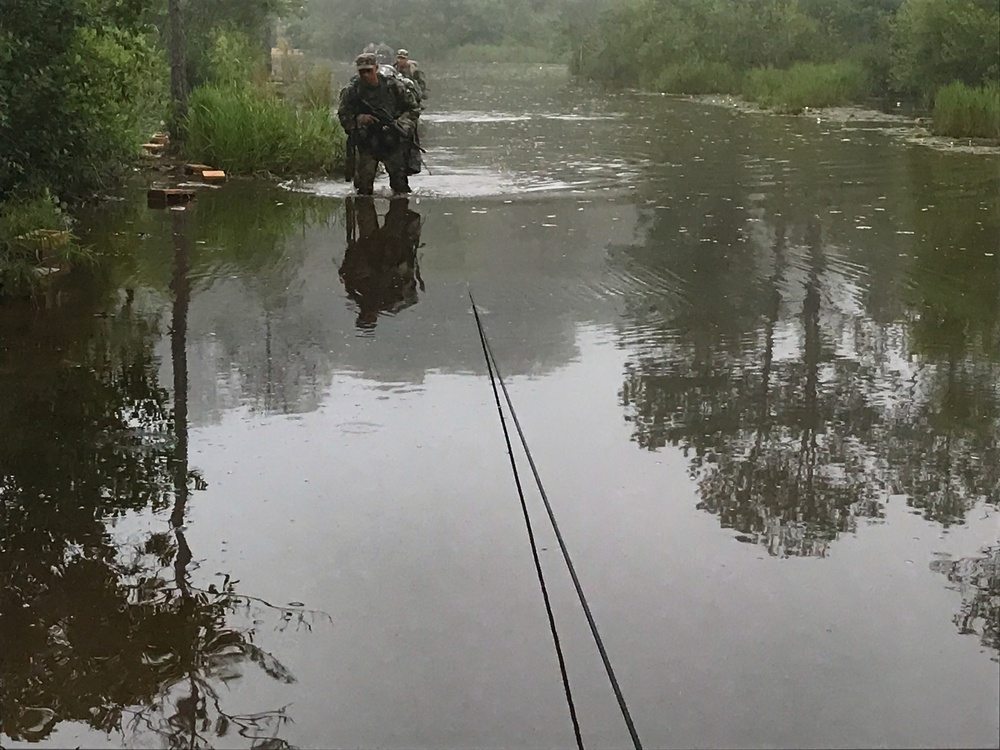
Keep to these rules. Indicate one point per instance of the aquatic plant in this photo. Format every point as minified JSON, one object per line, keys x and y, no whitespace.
{"x":35,"y":243}
{"x":698,"y":77}
{"x":967,"y":112}
{"x":806,"y":85}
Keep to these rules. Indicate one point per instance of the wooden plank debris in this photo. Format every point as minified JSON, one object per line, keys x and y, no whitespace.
{"x":163,"y":197}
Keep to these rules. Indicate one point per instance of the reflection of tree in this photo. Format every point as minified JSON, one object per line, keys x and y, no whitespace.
{"x":769,"y":450}
{"x":809,"y":374}
{"x":978,"y":580}
{"x":99,"y":630}
{"x":380,"y":270}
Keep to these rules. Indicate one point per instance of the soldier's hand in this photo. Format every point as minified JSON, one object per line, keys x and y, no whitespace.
{"x":364,"y":120}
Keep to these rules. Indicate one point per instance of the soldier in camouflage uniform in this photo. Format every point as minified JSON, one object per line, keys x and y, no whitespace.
{"x":411,"y":70}
{"x":379,"y":114}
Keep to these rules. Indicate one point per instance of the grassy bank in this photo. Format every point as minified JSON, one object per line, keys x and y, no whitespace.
{"x":804,"y":85}
{"x":962,"y":111}
{"x":244,"y":130}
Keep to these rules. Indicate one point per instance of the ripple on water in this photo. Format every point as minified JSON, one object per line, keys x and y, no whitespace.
{"x":485,"y":182}
{"x":472,"y":116}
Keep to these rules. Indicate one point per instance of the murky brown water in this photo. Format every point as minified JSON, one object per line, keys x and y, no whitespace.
{"x":256,"y":492}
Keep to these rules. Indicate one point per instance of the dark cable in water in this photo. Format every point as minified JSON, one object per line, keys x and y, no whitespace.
{"x":531,"y":534}
{"x":492,"y":366}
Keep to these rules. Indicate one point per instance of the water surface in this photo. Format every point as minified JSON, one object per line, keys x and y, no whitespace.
{"x":256,"y":492}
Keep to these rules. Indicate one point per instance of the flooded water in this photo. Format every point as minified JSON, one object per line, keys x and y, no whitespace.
{"x":256,"y":491}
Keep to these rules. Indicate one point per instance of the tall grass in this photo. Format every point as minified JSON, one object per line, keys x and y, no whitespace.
{"x":964,"y":111}
{"x":244,"y":130}
{"x":312,"y":88}
{"x":696,"y":77}
{"x":806,"y":85}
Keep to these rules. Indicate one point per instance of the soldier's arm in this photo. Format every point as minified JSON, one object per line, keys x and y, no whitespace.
{"x":346,"y":111}
{"x":409,"y":107}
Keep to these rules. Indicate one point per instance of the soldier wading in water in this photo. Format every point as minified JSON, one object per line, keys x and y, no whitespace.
{"x":379,"y":114}
{"x":409,"y":68}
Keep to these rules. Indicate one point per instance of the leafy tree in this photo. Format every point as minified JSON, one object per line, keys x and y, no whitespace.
{"x":939,"y":41}
{"x":81,"y":86}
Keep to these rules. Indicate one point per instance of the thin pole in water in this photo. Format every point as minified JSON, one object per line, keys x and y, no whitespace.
{"x":531,"y":533}
{"x":492,"y":366}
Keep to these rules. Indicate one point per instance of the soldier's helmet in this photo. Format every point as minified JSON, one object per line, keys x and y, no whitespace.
{"x":366,"y":61}
{"x":402,"y":53}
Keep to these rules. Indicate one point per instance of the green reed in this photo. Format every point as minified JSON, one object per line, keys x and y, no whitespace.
{"x":245,"y":130}
{"x":806,"y":85}
{"x":694,"y":77}
{"x":964,"y":111}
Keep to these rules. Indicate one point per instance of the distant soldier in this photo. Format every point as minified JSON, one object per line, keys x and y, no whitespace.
{"x":379,"y":114}
{"x":411,"y":70}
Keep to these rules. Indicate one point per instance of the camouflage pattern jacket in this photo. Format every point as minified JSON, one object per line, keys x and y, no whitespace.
{"x":412,"y":71}
{"x":390,"y":97}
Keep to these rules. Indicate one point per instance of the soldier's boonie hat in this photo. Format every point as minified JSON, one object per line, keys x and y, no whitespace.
{"x":402,"y":53}
{"x":366,"y":61}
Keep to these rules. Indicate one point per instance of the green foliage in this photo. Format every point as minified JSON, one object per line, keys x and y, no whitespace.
{"x":313,"y":89}
{"x":965,"y":112}
{"x":698,"y":77}
{"x":682,"y":43}
{"x":429,"y":29}
{"x":245,"y":130}
{"x":936,"y":42}
{"x":77,"y":95}
{"x":806,"y":85}
{"x":234,"y":59}
{"x":35,"y":241}
{"x":206,"y":19}
{"x":899,"y":46}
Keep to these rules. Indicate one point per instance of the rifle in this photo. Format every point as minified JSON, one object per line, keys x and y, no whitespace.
{"x":383,"y":118}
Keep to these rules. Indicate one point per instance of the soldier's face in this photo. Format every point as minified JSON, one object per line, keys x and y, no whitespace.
{"x":400,"y":60}
{"x":369,"y":75}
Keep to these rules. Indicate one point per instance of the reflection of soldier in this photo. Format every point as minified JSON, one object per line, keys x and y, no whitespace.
{"x":380,"y":271}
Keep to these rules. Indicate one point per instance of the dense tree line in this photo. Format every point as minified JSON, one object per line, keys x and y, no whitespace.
{"x":430,"y":29}
{"x":904,"y":47}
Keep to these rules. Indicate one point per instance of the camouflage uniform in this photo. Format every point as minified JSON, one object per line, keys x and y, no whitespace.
{"x":411,"y":70}
{"x":380,"y":269}
{"x":379,"y":142}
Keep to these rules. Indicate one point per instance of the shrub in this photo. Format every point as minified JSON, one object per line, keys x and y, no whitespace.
{"x":245,"y":130}
{"x":806,"y":85}
{"x":234,"y":60}
{"x":34,"y":241}
{"x":96,"y":92}
{"x":936,"y":42}
{"x":967,"y":112}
